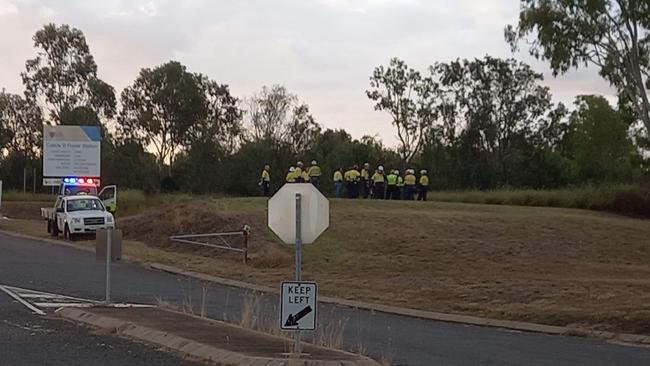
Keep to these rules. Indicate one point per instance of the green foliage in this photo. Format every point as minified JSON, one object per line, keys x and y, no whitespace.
{"x":599,"y":142}
{"x":160,"y":108}
{"x":407,"y":97}
{"x":21,"y":126}
{"x":128,"y":165}
{"x":64,"y":74}
{"x":612,"y":35}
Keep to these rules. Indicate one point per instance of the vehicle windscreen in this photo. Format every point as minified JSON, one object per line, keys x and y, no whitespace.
{"x":84,"y":204}
{"x":79,"y":190}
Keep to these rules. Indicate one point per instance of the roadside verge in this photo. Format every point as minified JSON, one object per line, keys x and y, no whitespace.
{"x":206,"y":339}
{"x":435,"y":316}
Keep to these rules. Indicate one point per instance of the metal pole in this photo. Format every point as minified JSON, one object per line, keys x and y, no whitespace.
{"x":245,"y":233}
{"x":296,"y":345}
{"x":109,"y":234}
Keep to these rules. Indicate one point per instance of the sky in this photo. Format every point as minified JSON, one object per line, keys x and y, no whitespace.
{"x":324,"y":51}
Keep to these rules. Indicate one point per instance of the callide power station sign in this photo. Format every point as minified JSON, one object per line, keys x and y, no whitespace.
{"x":71,"y":151}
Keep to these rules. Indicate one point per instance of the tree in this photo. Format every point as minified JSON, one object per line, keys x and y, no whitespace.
{"x":268,"y":112}
{"x":302,"y":130}
{"x":221,"y":125}
{"x":21,"y":124}
{"x":406,"y":96}
{"x":610,"y":34}
{"x":599,"y":142}
{"x":63,"y":75}
{"x":161,"y":107}
{"x":498,"y":104}
{"x":275,"y":115}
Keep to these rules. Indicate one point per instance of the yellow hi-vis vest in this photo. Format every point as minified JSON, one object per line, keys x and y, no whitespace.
{"x":265,"y":176}
{"x":391,"y":179}
{"x":410,"y":180}
{"x":314,"y":171}
{"x":352,"y":175}
{"x":338,"y":176}
{"x":377,"y":178}
{"x":424,"y":180}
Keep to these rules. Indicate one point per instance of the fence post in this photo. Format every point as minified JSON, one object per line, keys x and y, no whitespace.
{"x":245,"y":233}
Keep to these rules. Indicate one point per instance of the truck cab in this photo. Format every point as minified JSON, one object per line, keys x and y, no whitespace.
{"x":80,"y":208}
{"x":79,"y":214}
{"x":89,"y":186}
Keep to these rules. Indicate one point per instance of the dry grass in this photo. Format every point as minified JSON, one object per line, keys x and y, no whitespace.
{"x":546,"y":265}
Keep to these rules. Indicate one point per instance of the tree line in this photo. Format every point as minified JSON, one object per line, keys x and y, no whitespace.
{"x":482,"y":123}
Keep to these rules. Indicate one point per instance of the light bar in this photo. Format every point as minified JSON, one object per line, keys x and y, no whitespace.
{"x":93,"y":182}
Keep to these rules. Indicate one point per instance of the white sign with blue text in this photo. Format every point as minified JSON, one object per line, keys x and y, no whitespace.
{"x":71,"y":151}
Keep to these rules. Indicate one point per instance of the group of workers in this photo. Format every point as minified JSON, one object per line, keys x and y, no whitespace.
{"x":359,"y":183}
{"x":381,"y":184}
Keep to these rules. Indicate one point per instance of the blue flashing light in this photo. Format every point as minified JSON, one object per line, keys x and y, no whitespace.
{"x":89,"y":182}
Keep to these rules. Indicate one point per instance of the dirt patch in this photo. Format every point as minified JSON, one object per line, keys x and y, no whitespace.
{"x":156,"y":226}
{"x":24,"y":210}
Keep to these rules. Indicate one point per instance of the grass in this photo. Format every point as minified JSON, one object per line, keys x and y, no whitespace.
{"x":557,"y":266}
{"x":12,"y":196}
{"x":633,"y":200}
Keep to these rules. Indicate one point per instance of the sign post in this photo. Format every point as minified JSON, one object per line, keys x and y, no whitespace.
{"x":109,"y":234}
{"x":296,"y":344}
{"x":298,"y":305}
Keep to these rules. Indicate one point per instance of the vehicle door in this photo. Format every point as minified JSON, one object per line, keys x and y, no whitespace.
{"x":60,"y":214}
{"x":108,"y":195}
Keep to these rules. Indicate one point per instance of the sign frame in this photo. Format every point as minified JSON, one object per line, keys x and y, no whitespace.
{"x":72,"y":151}
{"x":311,"y":305}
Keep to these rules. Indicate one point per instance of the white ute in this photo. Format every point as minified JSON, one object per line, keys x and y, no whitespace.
{"x":79,"y":214}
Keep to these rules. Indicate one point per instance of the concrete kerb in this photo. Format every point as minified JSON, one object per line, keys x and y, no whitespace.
{"x":421,"y":314}
{"x":186,"y":346}
{"x":450,"y":318}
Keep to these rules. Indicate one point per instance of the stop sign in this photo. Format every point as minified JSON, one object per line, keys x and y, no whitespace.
{"x":315,"y":213}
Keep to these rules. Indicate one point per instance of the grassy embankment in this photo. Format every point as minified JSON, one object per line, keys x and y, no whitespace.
{"x":547,"y":265}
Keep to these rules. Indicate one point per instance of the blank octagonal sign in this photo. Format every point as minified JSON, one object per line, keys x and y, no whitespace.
{"x":282,"y":213}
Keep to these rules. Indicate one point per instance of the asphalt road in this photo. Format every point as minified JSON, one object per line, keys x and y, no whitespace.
{"x":29,"y":340}
{"x":405,"y":341}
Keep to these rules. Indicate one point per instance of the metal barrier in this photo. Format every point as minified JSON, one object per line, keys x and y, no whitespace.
{"x":208,"y":240}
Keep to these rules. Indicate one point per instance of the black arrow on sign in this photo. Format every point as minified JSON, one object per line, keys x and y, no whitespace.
{"x":292,"y":320}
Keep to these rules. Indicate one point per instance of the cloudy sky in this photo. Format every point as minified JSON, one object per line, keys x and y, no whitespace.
{"x":322,"y":50}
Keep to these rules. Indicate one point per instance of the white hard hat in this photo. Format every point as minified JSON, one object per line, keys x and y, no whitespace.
{"x":313,"y":162}
{"x":292,"y":169}
{"x":366,"y":164}
{"x":299,"y":163}
{"x":380,"y":168}
{"x":423,"y":171}
{"x":396,"y":171}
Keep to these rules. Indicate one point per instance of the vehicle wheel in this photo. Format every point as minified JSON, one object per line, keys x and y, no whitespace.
{"x":54,"y":228}
{"x":49,"y":227}
{"x":67,"y":234}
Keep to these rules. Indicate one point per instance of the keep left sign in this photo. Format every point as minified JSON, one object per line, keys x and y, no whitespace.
{"x":298,"y":306}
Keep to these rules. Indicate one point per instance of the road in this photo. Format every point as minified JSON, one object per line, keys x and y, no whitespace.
{"x":404,"y":340}
{"x":29,"y":340}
